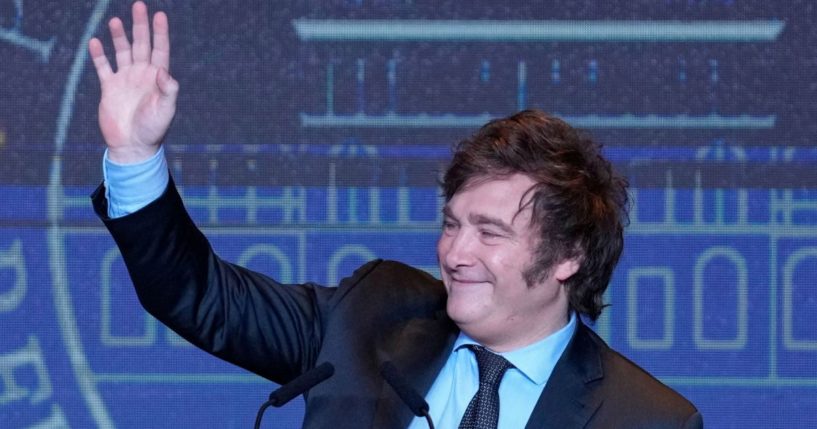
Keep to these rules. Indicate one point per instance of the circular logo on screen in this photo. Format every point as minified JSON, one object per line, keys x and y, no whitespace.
{"x":67,"y":287}
{"x":108,"y":343}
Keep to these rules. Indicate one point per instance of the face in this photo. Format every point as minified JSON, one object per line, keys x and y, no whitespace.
{"x":485,"y":246}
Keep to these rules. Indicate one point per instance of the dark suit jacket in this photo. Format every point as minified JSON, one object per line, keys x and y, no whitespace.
{"x":384,"y":311}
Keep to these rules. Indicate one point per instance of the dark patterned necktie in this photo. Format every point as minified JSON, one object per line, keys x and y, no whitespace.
{"x":483,"y":410}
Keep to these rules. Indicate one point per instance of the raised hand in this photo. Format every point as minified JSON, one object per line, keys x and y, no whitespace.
{"x":138,"y":100}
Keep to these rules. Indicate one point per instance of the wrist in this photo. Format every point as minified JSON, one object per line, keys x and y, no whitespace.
{"x":131,"y":155}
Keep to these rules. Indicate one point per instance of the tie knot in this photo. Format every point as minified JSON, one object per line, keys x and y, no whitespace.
{"x":491,"y":366}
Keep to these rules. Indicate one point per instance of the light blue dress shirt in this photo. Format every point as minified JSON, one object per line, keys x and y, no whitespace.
{"x":519,"y":390}
{"x":133,"y":186}
{"x":129,"y":187}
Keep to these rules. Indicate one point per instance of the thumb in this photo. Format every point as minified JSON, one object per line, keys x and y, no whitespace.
{"x":168,"y":86}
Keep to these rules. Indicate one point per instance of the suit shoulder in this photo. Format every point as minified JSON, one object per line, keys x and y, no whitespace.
{"x":393,"y":280}
{"x":633,"y":390}
{"x":395,"y":273}
{"x":399,"y":271}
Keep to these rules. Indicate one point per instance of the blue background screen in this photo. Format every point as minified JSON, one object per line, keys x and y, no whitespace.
{"x":309,"y":139}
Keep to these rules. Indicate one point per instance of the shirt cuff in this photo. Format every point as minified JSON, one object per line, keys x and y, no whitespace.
{"x":129,"y":187}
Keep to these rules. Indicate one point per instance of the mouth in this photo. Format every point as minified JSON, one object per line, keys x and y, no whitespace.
{"x":466,"y":282}
{"x":462,"y":279}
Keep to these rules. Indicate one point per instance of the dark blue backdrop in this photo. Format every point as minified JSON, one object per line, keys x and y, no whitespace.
{"x":315,"y":131}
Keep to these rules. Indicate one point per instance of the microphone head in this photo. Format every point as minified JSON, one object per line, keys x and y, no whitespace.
{"x":301,"y":384}
{"x":415,"y":402}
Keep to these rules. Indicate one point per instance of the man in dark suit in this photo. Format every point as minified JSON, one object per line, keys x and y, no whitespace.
{"x":533,"y":229}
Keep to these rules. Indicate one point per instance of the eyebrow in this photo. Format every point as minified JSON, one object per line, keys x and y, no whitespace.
{"x":481,"y":219}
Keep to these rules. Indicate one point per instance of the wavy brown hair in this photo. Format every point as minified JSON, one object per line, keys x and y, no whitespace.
{"x":579,"y":203}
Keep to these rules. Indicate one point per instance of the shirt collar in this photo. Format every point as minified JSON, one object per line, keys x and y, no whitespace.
{"x":535,"y":361}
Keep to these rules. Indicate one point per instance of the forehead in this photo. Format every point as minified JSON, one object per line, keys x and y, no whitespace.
{"x":500,"y":198}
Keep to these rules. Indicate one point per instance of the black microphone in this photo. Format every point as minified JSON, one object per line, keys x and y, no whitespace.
{"x":410,"y":397}
{"x":299,"y":385}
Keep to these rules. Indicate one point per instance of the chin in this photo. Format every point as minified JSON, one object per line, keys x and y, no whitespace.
{"x":462,"y":314}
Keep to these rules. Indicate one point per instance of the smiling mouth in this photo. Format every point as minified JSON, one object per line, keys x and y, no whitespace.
{"x":466,"y":282}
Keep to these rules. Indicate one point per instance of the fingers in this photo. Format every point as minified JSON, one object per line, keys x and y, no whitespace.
{"x":141,"y":33}
{"x":140,"y":51}
{"x":120,"y":43}
{"x":167,"y":85}
{"x":161,"y":42}
{"x":103,"y":69}
{"x":169,"y":89}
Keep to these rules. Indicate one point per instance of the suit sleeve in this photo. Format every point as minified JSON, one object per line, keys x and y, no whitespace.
{"x":236,"y":314}
{"x":695,"y":421}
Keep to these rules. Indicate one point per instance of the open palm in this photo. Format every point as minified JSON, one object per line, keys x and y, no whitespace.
{"x":138,"y":100}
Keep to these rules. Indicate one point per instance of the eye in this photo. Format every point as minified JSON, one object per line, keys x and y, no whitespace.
{"x":449,"y":225}
{"x":488,"y":234}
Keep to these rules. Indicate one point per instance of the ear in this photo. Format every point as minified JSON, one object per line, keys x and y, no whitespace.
{"x":563,"y":270}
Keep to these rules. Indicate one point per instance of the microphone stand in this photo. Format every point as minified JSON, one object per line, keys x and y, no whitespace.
{"x":297,"y":386}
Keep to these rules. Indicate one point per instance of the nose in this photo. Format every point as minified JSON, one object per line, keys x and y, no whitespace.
{"x":457,"y":250}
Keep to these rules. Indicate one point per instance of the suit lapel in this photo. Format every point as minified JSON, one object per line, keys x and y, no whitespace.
{"x":569,"y":399}
{"x":418,"y":351}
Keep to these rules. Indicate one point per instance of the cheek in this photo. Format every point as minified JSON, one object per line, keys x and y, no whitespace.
{"x":504,"y":262}
{"x":509,"y":267}
{"x":442,"y":246}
